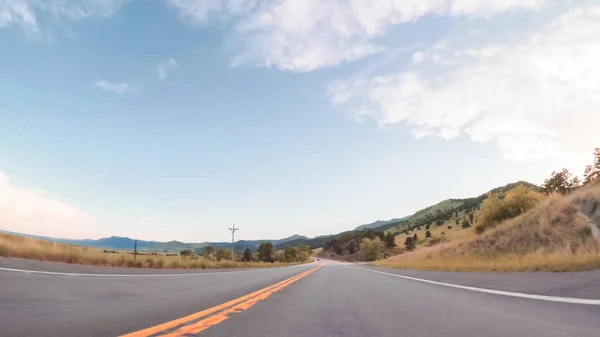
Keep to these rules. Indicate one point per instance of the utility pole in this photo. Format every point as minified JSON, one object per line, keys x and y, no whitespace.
{"x":232,"y":240}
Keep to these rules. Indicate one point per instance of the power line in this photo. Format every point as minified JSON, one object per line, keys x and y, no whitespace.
{"x":4,"y":169}
{"x":86,"y":169}
{"x":71,"y":155}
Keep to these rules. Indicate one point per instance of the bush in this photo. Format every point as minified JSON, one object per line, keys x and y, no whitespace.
{"x":158,"y":263}
{"x":496,"y":209}
{"x":223,"y":254}
{"x":370,"y":250}
{"x":428,"y":234}
{"x":185,"y":252}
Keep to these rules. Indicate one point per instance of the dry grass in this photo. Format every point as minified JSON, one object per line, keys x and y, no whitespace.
{"x":32,"y":249}
{"x":554,"y":236}
{"x":316,"y":251}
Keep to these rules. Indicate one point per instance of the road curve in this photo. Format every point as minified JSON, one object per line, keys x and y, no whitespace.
{"x":317,"y":299}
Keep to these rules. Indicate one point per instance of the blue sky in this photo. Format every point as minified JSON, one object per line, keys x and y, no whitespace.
{"x":176,"y":118}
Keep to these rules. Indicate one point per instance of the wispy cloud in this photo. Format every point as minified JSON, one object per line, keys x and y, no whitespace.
{"x":163,"y":67}
{"x":535,"y":97}
{"x":30,"y":211}
{"x":117,"y":88}
{"x":305,"y":35}
{"x":17,"y":12}
{"x":24,"y":13}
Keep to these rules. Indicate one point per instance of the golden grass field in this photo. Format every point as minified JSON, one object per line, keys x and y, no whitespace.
{"x":553,"y":236}
{"x":32,"y":249}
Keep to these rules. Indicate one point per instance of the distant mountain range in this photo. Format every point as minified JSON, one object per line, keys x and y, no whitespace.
{"x":125,"y":243}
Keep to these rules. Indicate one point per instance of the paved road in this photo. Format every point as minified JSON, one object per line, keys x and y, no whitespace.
{"x":318,"y":299}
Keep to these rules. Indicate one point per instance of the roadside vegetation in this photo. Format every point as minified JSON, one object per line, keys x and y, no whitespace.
{"x":519,"y":229}
{"x":207,"y":258}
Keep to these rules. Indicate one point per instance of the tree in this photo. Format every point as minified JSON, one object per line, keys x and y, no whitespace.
{"x":428,"y":234}
{"x":279,"y":256}
{"x":466,"y":224}
{"x":247,"y":257}
{"x":223,"y":254}
{"x":370,"y":250}
{"x":409,"y":244}
{"x":456,"y":221}
{"x":209,"y":251}
{"x":561,"y":182}
{"x":265,"y":252}
{"x":390,"y":240}
{"x":415,"y":238}
{"x":592,"y":172}
{"x":428,"y":226}
{"x":290,"y":253}
{"x":470,"y":217}
{"x":352,"y":247}
{"x":184,"y":253}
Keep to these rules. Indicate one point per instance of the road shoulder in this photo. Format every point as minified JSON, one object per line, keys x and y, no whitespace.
{"x":584,"y":284}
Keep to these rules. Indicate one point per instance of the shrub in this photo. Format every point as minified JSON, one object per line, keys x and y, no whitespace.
{"x":495,"y":209}
{"x":223,"y":254}
{"x":428,"y":234}
{"x":158,"y":263}
{"x":371,"y":250}
{"x":185,"y":252}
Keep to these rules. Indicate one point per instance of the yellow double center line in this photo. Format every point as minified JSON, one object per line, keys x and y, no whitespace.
{"x":194,"y":323}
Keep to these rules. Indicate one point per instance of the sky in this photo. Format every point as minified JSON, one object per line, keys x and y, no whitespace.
{"x":172,"y":119}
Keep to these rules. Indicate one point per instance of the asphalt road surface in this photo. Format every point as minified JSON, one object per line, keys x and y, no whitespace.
{"x":319,"y":299}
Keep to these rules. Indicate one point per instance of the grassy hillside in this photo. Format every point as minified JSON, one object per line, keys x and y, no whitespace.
{"x":451,"y":212}
{"x":442,"y":212}
{"x":556,"y":235}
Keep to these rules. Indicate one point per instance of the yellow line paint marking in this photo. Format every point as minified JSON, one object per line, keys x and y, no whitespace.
{"x":246,"y":298}
{"x":219,"y":317}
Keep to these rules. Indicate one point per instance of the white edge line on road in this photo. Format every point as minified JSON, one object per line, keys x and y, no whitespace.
{"x":495,"y":292}
{"x":145,"y":275}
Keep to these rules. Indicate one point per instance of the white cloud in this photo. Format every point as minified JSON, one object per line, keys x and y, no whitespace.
{"x":163,"y":67}
{"x":535,"y":98}
{"x":418,"y":57}
{"x":25,"y":12}
{"x":30,"y":211}
{"x":117,"y":88}
{"x":17,"y":12}
{"x":304,"y":35}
